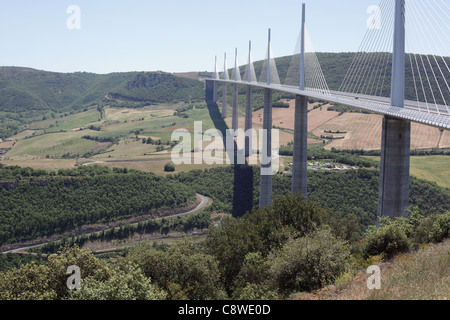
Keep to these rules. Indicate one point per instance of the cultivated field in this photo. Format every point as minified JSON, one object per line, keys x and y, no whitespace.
{"x":44,"y":143}
{"x":363,"y":131}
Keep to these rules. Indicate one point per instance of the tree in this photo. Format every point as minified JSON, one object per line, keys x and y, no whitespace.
{"x":183,"y":271}
{"x":127,"y":283}
{"x":308,"y":263}
{"x":169,"y":167}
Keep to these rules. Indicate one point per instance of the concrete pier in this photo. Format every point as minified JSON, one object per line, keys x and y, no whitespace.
{"x":224,"y":100}
{"x":235,"y":119}
{"x":209,"y":91}
{"x":265,"y":195}
{"x":300,"y":164}
{"x":394,"y":170}
{"x":248,"y":121}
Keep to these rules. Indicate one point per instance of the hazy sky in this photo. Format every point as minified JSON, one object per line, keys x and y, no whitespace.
{"x":168,"y":35}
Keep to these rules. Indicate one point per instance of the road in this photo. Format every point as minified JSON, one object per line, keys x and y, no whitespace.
{"x":201,"y":206}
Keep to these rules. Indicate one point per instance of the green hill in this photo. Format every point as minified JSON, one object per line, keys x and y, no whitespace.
{"x":27,"y":94}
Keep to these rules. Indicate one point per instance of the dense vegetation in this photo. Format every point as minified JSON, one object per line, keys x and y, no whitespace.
{"x":160,"y":87}
{"x":289,"y":247}
{"x":36,"y":203}
{"x":236,"y":190}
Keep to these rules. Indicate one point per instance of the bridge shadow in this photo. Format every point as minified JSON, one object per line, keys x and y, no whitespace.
{"x":243,"y":173}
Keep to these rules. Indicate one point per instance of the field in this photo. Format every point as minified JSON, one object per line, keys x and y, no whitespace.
{"x":59,"y":143}
{"x":362,"y":131}
{"x":431,"y":168}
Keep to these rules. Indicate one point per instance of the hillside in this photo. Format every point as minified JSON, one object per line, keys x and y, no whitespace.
{"x":236,"y":190}
{"x":37,"y":203}
{"x":159,"y":88}
{"x":420,"y":275}
{"x":28,"y":95}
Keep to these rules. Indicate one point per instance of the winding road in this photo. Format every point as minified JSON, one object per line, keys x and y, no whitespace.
{"x":201,"y":206}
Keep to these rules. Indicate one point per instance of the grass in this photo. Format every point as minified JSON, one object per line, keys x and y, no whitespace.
{"x":421,"y":275}
{"x":431,"y":168}
{"x":53,"y":144}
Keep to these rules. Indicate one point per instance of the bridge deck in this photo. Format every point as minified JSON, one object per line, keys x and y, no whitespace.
{"x":413,"y":111}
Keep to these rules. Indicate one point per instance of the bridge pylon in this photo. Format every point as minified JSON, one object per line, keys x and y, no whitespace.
{"x":249,"y":106}
{"x":265,"y":191}
{"x":235,"y":115}
{"x":396,"y":134}
{"x":300,"y":154}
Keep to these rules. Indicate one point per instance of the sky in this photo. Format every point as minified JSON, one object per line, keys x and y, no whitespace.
{"x":172,"y":35}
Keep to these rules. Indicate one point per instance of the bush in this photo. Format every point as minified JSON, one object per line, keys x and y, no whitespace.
{"x":169,"y":167}
{"x":252,"y":278}
{"x":309,"y":263}
{"x":182,"y":271}
{"x":441,"y":228}
{"x":387,"y":240}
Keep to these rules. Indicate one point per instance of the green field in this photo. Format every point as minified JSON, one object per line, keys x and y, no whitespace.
{"x":431,"y":168}
{"x":45,"y":144}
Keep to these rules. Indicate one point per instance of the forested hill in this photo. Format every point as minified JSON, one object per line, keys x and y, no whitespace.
{"x":28,"y":94}
{"x":35,"y":203}
{"x":24,"y":89}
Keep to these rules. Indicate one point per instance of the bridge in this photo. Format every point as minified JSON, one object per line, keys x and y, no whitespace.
{"x":398,"y":112}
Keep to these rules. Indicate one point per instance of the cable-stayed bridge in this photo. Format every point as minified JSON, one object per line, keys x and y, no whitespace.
{"x":374,"y":82}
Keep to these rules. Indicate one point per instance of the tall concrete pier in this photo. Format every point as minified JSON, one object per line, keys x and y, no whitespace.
{"x":248,"y":121}
{"x":249,"y":105}
{"x":265,"y":194}
{"x":235,"y":119}
{"x":396,"y":135}
{"x":300,"y":154}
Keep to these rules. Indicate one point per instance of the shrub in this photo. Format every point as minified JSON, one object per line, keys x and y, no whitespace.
{"x":387,"y":240}
{"x":441,"y":228}
{"x":252,"y":278}
{"x":309,"y":263}
{"x":169,"y":167}
{"x":190,"y":273}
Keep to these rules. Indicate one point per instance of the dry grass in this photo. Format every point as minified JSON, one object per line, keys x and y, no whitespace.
{"x":421,"y":275}
{"x":44,"y":164}
{"x":364,"y":132}
{"x":7,"y":144}
{"x":445,"y":139}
